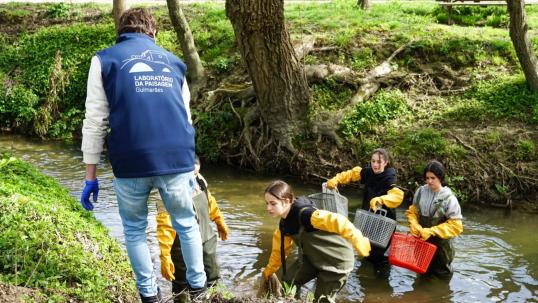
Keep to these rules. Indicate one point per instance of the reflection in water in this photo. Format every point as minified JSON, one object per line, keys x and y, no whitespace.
{"x":496,"y":257}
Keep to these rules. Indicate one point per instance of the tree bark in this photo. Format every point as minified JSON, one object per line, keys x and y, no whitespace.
{"x":195,"y":70}
{"x":520,"y":39}
{"x":278,"y":77}
{"x":364,"y":4}
{"x":118,"y":7}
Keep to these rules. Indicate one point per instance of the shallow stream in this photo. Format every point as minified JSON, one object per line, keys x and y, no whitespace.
{"x":496,"y":256}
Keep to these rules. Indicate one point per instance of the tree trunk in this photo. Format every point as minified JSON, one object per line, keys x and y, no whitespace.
{"x":364,"y":4}
{"x":277,"y":75}
{"x":523,"y":46}
{"x":118,"y":7}
{"x":195,"y":70}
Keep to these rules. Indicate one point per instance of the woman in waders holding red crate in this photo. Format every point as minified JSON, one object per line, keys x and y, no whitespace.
{"x":435,"y":216}
{"x":379,"y":180}
{"x":326,"y":241}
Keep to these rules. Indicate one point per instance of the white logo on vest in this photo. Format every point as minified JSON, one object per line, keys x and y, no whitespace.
{"x":150,"y":83}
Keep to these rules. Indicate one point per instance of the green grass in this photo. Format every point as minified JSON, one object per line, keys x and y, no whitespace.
{"x":50,"y":243}
{"x":505,"y":97}
{"x":362,"y":39}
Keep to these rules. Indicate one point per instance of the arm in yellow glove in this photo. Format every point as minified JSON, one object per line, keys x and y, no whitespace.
{"x":338,"y":224}
{"x":449,"y":229}
{"x":412,"y":218}
{"x":166,"y":235}
{"x":274,"y":260}
{"x":392,"y":199}
{"x":216,"y":216}
{"x":345,"y":177}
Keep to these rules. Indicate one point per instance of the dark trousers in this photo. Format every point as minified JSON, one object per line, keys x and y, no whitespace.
{"x":328,"y":284}
{"x":211,"y":266}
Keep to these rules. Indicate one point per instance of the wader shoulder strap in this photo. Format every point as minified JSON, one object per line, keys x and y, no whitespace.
{"x":282,"y":252}
{"x":281,"y":228}
{"x":418,"y":200}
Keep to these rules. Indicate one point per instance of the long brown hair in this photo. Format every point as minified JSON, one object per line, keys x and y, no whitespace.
{"x":281,"y":190}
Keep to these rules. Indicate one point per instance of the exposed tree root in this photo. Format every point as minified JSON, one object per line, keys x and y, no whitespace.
{"x":488,"y":173}
{"x":304,"y":46}
{"x":326,"y":123}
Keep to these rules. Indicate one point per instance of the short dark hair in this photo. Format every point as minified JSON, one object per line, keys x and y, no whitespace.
{"x":137,"y":20}
{"x":435,"y":167}
{"x":281,"y":190}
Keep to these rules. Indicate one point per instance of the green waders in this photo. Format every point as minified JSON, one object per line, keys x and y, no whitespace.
{"x":209,"y":244}
{"x":325,"y":256}
{"x":444,"y":255}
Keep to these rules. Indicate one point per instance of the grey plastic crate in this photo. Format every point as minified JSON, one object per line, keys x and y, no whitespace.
{"x":376,"y":227}
{"x":334,"y":202}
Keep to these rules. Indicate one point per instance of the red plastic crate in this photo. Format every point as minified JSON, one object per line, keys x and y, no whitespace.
{"x":409,"y":252}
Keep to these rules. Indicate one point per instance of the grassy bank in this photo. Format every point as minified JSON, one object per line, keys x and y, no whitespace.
{"x":458,"y":94}
{"x":52,"y":249}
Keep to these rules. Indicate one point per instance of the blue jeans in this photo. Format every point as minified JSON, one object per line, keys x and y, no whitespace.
{"x":175,"y":190}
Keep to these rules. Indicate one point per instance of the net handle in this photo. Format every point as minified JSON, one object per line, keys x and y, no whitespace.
{"x":379,"y":211}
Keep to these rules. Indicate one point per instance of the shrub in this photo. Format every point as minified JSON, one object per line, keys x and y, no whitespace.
{"x":507,"y":97}
{"x":222,"y":64}
{"x":17,"y":105}
{"x":426,"y":143}
{"x":33,"y":56}
{"x":525,"y":150}
{"x":330,"y":95}
{"x":367,"y":116}
{"x":76,"y":43}
{"x":208,"y":139}
{"x":494,"y":16}
{"x":58,"y":10}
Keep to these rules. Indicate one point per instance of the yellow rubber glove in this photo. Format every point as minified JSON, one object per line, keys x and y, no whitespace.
{"x":338,"y":224}
{"x":393,"y":198}
{"x":449,"y":229}
{"x":412,"y":217}
{"x":216,"y":216}
{"x":166,"y":235}
{"x":222,"y":228}
{"x":274,"y":260}
{"x":415,"y":230}
{"x":426,"y":233}
{"x":332,"y":183}
{"x":375,"y":203}
{"x":345,"y":177}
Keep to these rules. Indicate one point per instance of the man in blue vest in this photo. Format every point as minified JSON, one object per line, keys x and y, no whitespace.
{"x":137,"y":95}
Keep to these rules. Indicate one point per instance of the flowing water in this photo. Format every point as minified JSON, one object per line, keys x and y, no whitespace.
{"x":496,"y":256}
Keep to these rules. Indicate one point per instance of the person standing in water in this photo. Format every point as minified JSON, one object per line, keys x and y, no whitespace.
{"x":380,"y":191}
{"x":435,"y":216}
{"x":326,"y":241}
{"x":173,"y":267}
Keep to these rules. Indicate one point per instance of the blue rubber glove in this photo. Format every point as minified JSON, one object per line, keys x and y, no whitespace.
{"x":89,"y":188}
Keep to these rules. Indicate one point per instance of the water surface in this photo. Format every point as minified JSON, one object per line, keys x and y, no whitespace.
{"x":496,"y":256}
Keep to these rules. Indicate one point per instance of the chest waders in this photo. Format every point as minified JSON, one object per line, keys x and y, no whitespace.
{"x":209,"y":245}
{"x":322,"y":255}
{"x":444,"y":255}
